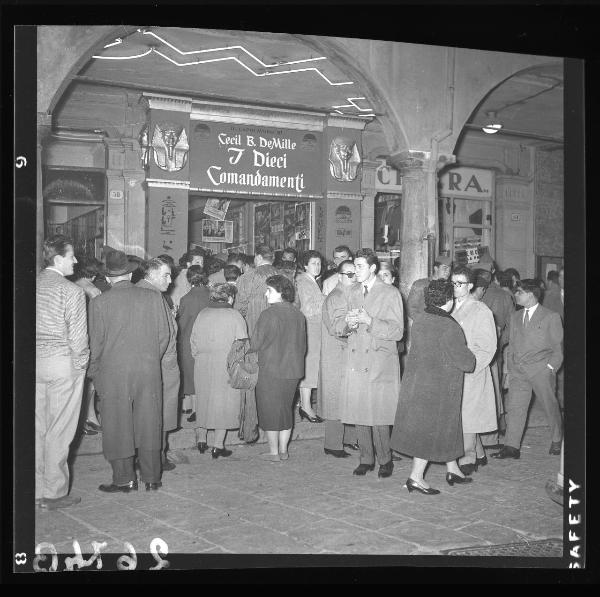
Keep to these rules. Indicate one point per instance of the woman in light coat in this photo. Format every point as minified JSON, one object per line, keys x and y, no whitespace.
{"x":479,"y":399}
{"x":311,"y":304}
{"x":217,"y":403}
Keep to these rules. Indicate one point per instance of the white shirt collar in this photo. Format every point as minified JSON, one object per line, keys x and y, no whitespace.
{"x":531,"y":311}
{"x":369,"y":285}
{"x":55,"y":270}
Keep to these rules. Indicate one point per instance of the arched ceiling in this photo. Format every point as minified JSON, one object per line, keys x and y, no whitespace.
{"x":528,"y":103}
{"x":250,"y":67}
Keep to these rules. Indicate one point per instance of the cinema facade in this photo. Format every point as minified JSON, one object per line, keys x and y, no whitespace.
{"x":153,"y":140}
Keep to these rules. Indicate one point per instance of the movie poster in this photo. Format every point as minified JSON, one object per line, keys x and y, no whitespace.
{"x":262,"y":224}
{"x":289,"y":224}
{"x":217,"y":231}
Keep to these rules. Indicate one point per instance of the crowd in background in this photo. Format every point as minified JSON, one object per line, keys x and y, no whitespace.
{"x":438,"y":375}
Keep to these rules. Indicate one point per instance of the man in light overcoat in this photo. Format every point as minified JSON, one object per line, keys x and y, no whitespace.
{"x":372,"y":377}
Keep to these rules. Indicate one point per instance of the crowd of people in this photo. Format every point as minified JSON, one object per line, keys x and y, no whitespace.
{"x":129,"y":346}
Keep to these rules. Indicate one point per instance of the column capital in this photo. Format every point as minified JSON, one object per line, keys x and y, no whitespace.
{"x":420,"y":160}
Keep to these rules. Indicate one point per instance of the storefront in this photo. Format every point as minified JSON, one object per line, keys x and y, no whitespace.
{"x":229,"y":177}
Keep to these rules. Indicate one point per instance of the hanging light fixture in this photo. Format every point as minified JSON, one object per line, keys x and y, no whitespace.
{"x":493,"y":124}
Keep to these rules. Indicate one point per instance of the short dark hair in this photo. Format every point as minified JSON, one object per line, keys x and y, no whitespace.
{"x":481,"y":278}
{"x":154,"y":264}
{"x":53,"y":246}
{"x":282,"y":285}
{"x":504,"y":279}
{"x":369,"y":256}
{"x":231,"y":272}
{"x":86,"y":267}
{"x":308,"y":255}
{"x":343,"y":248}
{"x":529,"y":285}
{"x":345,"y":262}
{"x":167,"y":259}
{"x":463,"y":270}
{"x":234,"y":257}
{"x":438,"y":293}
{"x":196,"y":276}
{"x":552,"y":276}
{"x":195,"y":252}
{"x":220,"y":293}
{"x":265,"y":252}
{"x":511,"y":271}
{"x":289,"y":251}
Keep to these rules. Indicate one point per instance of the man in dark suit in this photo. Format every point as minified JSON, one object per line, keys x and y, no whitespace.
{"x":129,"y":333}
{"x":157,"y":278}
{"x":534,"y":356}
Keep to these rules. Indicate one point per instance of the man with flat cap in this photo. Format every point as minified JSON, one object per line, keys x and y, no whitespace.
{"x":129,"y":334}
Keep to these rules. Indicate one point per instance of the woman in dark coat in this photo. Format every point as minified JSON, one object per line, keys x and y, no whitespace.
{"x":189,"y":306}
{"x":428,"y":420}
{"x":280,"y":341}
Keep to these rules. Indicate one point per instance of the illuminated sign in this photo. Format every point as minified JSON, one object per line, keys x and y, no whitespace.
{"x":234,"y":158}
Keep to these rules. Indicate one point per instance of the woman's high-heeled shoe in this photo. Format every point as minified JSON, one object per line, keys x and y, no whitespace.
{"x":202,"y":447}
{"x":305,"y":415}
{"x":414,"y":486}
{"x":451,"y":479}
{"x":216,"y":452}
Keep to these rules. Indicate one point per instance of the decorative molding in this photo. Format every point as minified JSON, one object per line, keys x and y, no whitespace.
{"x":345,"y":196}
{"x":347,"y":122}
{"x":268,"y":117}
{"x":159,"y":101}
{"x":410,"y":159}
{"x":168,"y":184}
{"x":253,"y":194}
{"x":71,"y":136}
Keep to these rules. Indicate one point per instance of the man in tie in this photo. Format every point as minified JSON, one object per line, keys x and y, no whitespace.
{"x":534,"y":356}
{"x":371,"y":384}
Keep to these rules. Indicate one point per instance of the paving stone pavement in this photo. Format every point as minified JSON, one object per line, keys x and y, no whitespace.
{"x":310,"y":504}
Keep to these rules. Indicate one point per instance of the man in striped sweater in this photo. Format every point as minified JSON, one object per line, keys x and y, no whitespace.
{"x":62,"y":355}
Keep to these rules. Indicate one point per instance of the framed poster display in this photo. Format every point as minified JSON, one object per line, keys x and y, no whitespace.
{"x":217,"y":231}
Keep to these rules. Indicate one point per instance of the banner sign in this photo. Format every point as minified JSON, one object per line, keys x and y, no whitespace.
{"x":254,"y":160}
{"x":466,"y":182}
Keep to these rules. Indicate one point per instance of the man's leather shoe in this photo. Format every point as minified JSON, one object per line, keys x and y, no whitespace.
{"x":336,"y":453}
{"x":555,"y":448}
{"x":362,"y":469}
{"x":468,"y":469}
{"x":153,"y":486}
{"x":61,"y":502}
{"x":112,"y":488}
{"x":224,"y":452}
{"x":481,"y":461}
{"x":353,"y":446}
{"x":508,"y":452}
{"x":386,"y":470}
{"x":167,"y":465}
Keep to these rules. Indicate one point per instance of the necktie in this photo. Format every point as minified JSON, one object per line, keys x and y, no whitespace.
{"x":526,"y":318}
{"x":366,"y":290}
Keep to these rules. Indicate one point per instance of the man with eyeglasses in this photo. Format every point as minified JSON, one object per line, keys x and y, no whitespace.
{"x":534,"y":356}
{"x":334,"y":349}
{"x":479,"y":399}
{"x":375,"y":319}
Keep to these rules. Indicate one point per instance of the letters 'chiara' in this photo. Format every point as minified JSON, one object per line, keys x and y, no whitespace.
{"x":344,"y":159}
{"x":170,"y":146}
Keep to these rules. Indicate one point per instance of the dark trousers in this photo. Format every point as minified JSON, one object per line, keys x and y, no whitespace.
{"x":150,"y":468}
{"x":337,"y":434}
{"x":377,"y":436}
{"x":519,"y":398}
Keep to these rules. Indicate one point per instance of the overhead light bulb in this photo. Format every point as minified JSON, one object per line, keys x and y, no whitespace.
{"x":493,"y":125}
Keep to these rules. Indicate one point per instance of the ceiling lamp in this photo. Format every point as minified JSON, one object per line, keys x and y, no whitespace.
{"x":493,"y":124}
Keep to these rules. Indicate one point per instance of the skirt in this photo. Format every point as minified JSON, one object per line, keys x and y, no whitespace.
{"x":274,"y":401}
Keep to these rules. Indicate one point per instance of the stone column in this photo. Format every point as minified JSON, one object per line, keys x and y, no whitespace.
{"x":419,"y":212}
{"x":44,"y":127}
{"x":415,"y":199}
{"x":368,"y":204}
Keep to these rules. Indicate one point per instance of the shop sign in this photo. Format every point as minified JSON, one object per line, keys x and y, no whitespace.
{"x":254,"y":160}
{"x":466,"y":182}
{"x":387,"y":179}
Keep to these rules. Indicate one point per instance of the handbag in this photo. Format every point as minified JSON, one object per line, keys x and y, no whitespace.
{"x":243,"y":373}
